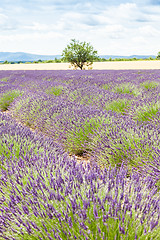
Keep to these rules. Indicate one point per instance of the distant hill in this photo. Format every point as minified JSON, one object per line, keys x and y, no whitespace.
{"x":127,"y":57}
{"x":28,"y":57}
{"x":25,"y":57}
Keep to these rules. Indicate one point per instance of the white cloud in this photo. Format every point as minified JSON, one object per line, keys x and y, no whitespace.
{"x":139,"y":40}
{"x":123,"y":12}
{"x":149,"y":31}
{"x":3,"y":19}
{"x":36,"y":26}
{"x":30,"y":36}
{"x":7,"y":23}
{"x":115,"y":27}
{"x":33,"y":42}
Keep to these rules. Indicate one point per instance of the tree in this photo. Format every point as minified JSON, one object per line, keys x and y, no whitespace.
{"x":79,"y":54}
{"x":6,"y":62}
{"x":158,"y":56}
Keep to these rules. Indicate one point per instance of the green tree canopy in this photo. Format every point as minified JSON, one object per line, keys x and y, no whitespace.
{"x":158,"y":56}
{"x":79,"y":54}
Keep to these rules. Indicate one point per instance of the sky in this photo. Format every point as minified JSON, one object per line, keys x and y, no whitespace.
{"x":121,"y":27}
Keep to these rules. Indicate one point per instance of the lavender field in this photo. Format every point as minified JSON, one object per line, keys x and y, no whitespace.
{"x":109,"y":117}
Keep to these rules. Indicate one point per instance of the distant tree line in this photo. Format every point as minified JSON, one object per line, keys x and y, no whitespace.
{"x":29,"y":62}
{"x":98,"y":59}
{"x":84,"y":49}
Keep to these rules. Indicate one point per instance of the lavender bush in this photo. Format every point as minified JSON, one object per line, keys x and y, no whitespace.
{"x":111,"y":116}
{"x":81,"y":99}
{"x":46,"y":195}
{"x":7,"y":98}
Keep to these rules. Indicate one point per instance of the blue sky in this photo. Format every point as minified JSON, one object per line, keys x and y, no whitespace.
{"x":122,"y":27}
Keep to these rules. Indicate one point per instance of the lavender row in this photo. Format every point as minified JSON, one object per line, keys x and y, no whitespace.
{"x":111,"y":115}
{"x":44,"y":194}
